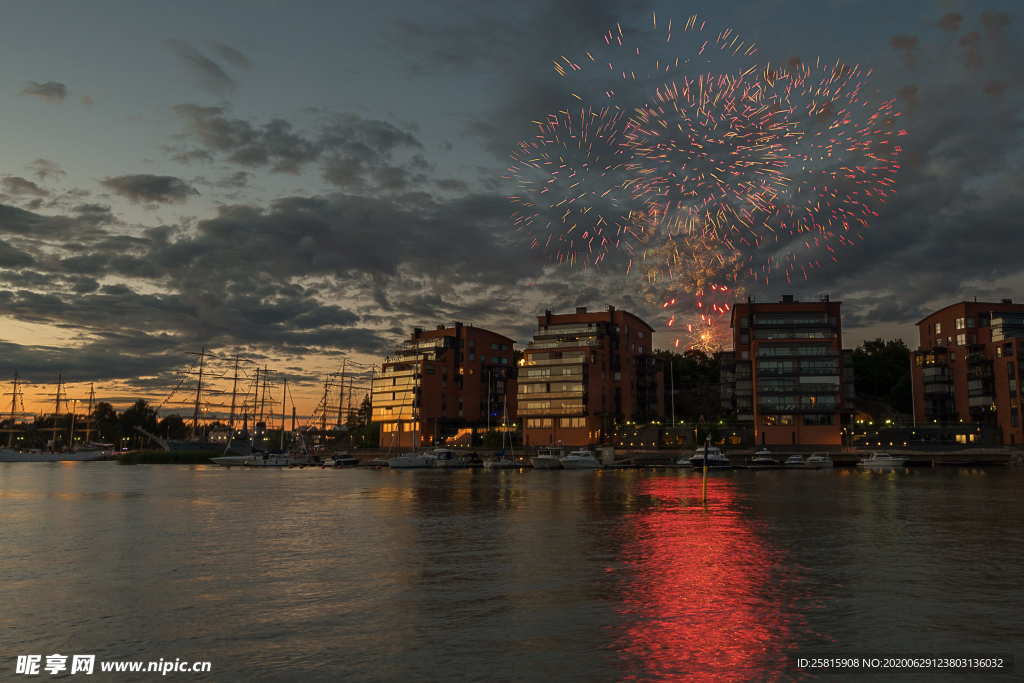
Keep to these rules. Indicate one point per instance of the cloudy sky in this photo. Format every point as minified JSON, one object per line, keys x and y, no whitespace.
{"x":304,"y":182}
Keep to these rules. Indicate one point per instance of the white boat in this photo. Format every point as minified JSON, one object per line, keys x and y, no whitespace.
{"x":795,"y":460}
{"x":547,"y":459}
{"x":818,"y":461}
{"x":84,"y":455}
{"x":763,"y":458}
{"x":411,"y":460}
{"x":444,"y":457}
{"x":715,"y":458}
{"x":883,"y":461}
{"x":339,"y":460}
{"x":580,"y":460}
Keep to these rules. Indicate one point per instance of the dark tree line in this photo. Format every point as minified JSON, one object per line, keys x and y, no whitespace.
{"x":693,"y":375}
{"x":881,"y":373}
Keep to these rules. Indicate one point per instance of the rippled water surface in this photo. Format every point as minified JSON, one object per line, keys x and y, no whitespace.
{"x":501,"y":576}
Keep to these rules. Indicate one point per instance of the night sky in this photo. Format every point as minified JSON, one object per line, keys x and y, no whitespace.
{"x":308,"y":181}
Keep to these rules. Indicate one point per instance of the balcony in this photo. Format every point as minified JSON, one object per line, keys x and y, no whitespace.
{"x":552,"y":411}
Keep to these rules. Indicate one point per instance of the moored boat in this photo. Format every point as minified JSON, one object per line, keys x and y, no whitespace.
{"x":763,"y":460}
{"x":547,"y":459}
{"x":580,"y":460}
{"x":818,"y":461}
{"x":716,"y":459}
{"x":411,"y":460}
{"x":446,"y":458}
{"x":795,"y":460}
{"x":883,"y":461}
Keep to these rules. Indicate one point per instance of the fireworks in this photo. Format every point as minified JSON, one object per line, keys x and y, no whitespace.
{"x":703,"y":169}
{"x":570,"y":175}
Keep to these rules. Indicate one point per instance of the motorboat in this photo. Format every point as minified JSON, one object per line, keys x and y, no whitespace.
{"x":883,"y":461}
{"x":716,"y":459}
{"x":339,"y":460}
{"x":444,"y":457}
{"x":547,"y":459}
{"x":580,"y":460}
{"x":795,"y":460}
{"x":818,"y":461}
{"x":763,"y":459}
{"x":411,"y":460}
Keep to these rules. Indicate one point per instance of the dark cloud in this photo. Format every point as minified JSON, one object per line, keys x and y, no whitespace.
{"x":232,"y":56}
{"x":51,"y":91}
{"x":19,"y":186}
{"x":995,"y":22}
{"x":144,"y":187}
{"x":273,"y":144}
{"x":951,"y":21}
{"x":208,"y":73}
{"x":44,"y":169}
{"x":994,"y":88}
{"x":971,"y":46}
{"x":354,"y":153}
{"x":906,"y":45}
{"x":909,"y":94}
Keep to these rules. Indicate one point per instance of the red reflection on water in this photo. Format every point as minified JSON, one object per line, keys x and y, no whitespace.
{"x":697,"y":588}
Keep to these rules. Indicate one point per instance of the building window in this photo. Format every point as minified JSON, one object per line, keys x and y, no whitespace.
{"x":572,"y":422}
{"x":938,"y":328}
{"x":538,"y":422}
{"x":961,"y":340}
{"x":817,"y":419}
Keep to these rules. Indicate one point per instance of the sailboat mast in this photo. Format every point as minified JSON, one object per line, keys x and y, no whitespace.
{"x":60,"y":383}
{"x":199,"y":394}
{"x":323,"y":415}
{"x":88,"y":420}
{"x":234,"y":394}
{"x":14,"y":409}
{"x":341,"y":391}
{"x":284,"y":396}
{"x":263,"y":399}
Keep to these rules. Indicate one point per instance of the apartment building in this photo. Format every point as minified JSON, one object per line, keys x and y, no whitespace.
{"x":967,"y":367}
{"x":582,"y":373}
{"x":788,"y":377}
{"x":443,"y":385}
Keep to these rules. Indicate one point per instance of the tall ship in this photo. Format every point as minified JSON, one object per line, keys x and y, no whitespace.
{"x":62,"y":444}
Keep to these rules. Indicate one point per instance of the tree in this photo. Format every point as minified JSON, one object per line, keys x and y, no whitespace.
{"x":105,"y":422}
{"x":173,"y":427}
{"x":139,"y":414}
{"x":881,"y":372}
{"x":694,"y":376}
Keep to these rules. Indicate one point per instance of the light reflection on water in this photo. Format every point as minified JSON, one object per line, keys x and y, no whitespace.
{"x":509,"y":575}
{"x":700,"y":587}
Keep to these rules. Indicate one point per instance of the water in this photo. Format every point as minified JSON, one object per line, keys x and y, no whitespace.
{"x":504,"y":576}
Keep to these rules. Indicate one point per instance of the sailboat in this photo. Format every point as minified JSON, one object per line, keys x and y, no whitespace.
{"x":412,"y":459}
{"x":88,"y":451}
{"x":503,"y":461}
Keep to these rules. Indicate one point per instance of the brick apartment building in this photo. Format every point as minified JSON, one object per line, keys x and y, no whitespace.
{"x":788,"y":376}
{"x":582,"y":373}
{"x":966,"y":367}
{"x":444,"y":384}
